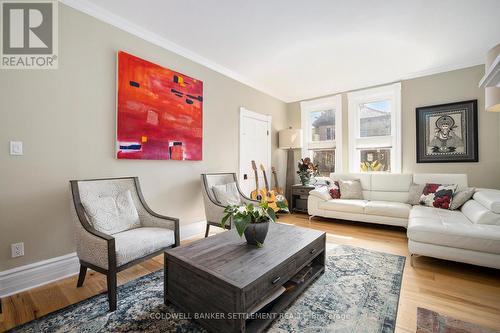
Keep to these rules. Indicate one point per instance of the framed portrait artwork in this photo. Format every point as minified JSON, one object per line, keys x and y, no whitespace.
{"x":447,"y":133}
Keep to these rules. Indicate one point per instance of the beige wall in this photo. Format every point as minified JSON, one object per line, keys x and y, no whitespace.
{"x":66,"y":119}
{"x":453,"y":86}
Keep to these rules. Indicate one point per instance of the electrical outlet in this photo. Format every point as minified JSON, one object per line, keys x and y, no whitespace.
{"x":16,"y":147}
{"x":17,"y":250}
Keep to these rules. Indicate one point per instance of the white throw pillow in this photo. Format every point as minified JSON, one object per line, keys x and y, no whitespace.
{"x":350,"y":189}
{"x":227,"y":194}
{"x":112,"y":215}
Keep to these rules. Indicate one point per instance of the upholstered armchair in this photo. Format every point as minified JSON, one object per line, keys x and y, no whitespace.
{"x":214,"y":210}
{"x":116,"y":229}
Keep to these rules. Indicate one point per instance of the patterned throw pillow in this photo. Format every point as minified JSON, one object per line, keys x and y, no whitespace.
{"x":438,"y":195}
{"x":335,"y":190}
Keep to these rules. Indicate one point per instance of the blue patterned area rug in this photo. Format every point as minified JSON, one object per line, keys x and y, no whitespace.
{"x":358,"y":292}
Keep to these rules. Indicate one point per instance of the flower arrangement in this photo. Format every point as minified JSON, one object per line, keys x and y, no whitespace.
{"x":307,"y":169}
{"x":244,"y":215}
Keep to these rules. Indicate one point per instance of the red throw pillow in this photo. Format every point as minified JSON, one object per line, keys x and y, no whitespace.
{"x":438,"y":195}
{"x":335,"y":190}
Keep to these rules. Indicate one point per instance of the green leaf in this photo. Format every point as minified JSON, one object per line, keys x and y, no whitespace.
{"x":271,"y":214}
{"x":242,"y":223}
{"x":224,"y":220}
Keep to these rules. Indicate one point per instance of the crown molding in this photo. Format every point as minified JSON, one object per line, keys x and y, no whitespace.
{"x":121,"y":23}
{"x":413,"y":75}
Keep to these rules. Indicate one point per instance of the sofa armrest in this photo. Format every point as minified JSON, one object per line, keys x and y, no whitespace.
{"x":489,"y":198}
{"x":321,"y":193}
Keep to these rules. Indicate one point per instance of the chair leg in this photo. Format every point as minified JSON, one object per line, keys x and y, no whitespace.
{"x":207,"y":230}
{"x":81,"y":276}
{"x":111,"y":279}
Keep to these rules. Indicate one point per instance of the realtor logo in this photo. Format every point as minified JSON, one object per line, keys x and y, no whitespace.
{"x":29,"y":34}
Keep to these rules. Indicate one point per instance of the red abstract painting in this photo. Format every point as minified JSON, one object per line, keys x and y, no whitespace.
{"x":159,"y":114}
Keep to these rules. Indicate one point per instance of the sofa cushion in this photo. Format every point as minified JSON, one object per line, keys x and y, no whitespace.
{"x":387,"y":208}
{"x":489,"y":199}
{"x":321,"y":193}
{"x":461,"y":197}
{"x":364,"y":178}
{"x":451,"y":228}
{"x":477,"y":213}
{"x":111,"y":215}
{"x":344,"y":205}
{"x":441,"y":178}
{"x":437,"y":195}
{"x":334,"y":190}
{"x":351,"y":189}
{"x":414,"y":193}
{"x":227,"y":194}
{"x":137,"y":243}
{"x":391,"y":182}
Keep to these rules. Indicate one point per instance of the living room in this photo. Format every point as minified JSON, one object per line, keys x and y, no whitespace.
{"x":258,"y":166}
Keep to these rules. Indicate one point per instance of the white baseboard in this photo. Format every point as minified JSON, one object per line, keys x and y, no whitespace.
{"x":26,"y":277}
{"x":192,"y":229}
{"x":39,"y":273}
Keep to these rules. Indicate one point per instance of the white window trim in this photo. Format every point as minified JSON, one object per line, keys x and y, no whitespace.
{"x":389,"y":92}
{"x":321,"y":104}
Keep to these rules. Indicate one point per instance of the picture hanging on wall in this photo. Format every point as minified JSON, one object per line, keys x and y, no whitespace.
{"x":159,"y":112}
{"x":447,"y":133}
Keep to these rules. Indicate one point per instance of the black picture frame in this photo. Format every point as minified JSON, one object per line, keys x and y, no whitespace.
{"x":447,"y":133}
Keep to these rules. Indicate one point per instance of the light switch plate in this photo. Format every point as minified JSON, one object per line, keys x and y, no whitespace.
{"x":17,"y":250}
{"x":16,"y":148}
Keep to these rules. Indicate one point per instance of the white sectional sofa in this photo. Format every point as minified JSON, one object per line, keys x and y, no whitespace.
{"x":470,"y":234}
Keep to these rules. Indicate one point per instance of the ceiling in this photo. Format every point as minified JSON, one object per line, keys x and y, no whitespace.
{"x":296,"y":50}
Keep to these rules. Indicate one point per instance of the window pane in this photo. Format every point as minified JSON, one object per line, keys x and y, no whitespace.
{"x":375,"y":159}
{"x":375,"y":119}
{"x":325,"y":159}
{"x":322,"y":125}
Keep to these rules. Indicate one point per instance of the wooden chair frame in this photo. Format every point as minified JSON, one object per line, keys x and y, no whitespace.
{"x":113,"y":269}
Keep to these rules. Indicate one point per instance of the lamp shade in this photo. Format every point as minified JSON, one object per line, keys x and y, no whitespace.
{"x":290,"y":138}
{"x":492,"y":100}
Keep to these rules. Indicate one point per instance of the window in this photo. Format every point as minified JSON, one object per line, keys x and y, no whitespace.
{"x":322,"y":124}
{"x":375,"y":129}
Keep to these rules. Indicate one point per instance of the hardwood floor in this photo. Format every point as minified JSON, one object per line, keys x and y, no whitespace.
{"x":466,"y":292}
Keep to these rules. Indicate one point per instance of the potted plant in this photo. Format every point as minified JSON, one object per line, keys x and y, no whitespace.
{"x":250,"y":220}
{"x":307,"y":169}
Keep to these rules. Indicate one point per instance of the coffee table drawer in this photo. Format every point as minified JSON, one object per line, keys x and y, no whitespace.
{"x":310,"y":251}
{"x":267,"y":283}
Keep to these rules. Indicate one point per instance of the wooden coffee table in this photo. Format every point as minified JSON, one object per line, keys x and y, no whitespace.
{"x":218,"y":280}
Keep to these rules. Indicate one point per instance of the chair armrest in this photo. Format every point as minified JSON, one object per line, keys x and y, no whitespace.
{"x":152,"y":219}
{"x":92,"y":246}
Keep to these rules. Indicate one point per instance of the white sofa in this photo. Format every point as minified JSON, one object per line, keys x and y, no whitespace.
{"x":470,"y":234}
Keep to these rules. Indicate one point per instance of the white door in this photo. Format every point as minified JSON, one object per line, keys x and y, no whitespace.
{"x":255,"y":145}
